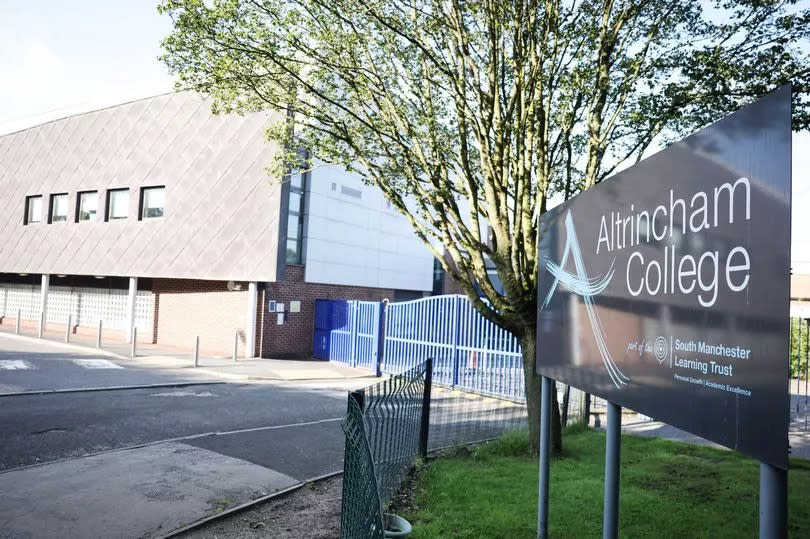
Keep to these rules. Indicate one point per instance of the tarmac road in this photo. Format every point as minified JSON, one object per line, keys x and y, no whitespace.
{"x":141,"y":462}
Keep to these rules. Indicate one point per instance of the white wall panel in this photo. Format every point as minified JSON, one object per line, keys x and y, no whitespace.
{"x":360,"y":241}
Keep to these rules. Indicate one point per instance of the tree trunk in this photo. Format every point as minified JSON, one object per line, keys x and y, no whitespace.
{"x":528,"y":344}
{"x":566,"y":400}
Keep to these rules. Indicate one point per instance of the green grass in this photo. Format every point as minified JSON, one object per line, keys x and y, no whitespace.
{"x":668,"y":489}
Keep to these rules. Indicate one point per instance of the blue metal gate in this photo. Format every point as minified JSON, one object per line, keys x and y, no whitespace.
{"x":468,"y":350}
{"x":347,"y":332}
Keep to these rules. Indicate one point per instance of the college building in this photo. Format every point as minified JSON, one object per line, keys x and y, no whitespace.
{"x":161,"y":216}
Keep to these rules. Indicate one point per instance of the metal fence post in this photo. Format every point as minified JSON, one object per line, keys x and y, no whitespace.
{"x":359,"y":397}
{"x":197,"y":351}
{"x":424,"y":430}
{"x":355,"y":309}
{"x":380,"y":337}
{"x":17,"y":325}
{"x":98,"y":335}
{"x":67,"y":328}
{"x":132,"y":351}
{"x":456,"y":338}
{"x":610,"y":522}
{"x":235,"y":345}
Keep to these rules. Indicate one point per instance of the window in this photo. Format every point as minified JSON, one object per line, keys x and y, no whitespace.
{"x":58,"y":208}
{"x":152,"y":202}
{"x":33,"y":209}
{"x":87,"y":206}
{"x":117,"y":204}
{"x":295,"y":221}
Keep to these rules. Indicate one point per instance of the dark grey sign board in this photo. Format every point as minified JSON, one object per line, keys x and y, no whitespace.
{"x":666,"y":288}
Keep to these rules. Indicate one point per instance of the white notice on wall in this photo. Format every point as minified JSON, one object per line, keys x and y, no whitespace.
{"x":279,"y":307}
{"x":280,"y":319}
{"x":295,"y":306}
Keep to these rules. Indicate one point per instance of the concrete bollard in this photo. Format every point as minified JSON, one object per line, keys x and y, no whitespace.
{"x":98,"y":335}
{"x":17,"y":325}
{"x":134,"y":342}
{"x":67,"y":328}
{"x":235,"y":345}
{"x":197,"y":351}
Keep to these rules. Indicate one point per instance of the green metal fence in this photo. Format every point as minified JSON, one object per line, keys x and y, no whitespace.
{"x":386,"y":428}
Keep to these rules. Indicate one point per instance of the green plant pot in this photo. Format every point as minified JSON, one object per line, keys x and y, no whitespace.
{"x":396,"y":526}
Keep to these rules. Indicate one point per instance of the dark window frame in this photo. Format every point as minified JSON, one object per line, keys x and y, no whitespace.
{"x":52,"y":207}
{"x":142,"y":197}
{"x":108,"y":206}
{"x":27,"y":213}
{"x":77,"y":217}
{"x":295,"y":239}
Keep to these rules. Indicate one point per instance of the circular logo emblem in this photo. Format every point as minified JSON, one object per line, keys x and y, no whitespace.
{"x":660,"y":349}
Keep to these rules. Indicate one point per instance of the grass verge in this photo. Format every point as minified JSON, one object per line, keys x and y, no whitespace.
{"x":668,"y":489}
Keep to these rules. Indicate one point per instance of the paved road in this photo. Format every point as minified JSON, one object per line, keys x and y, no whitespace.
{"x":36,"y":365}
{"x":140,"y":462}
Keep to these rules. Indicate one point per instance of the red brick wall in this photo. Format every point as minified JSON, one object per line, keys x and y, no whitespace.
{"x":185,"y":308}
{"x":293,"y":339}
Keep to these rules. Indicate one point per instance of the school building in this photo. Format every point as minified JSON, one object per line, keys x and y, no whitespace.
{"x":161,"y":216}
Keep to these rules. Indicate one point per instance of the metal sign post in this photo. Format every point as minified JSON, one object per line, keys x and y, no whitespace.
{"x":610,"y":520}
{"x":545,"y":451}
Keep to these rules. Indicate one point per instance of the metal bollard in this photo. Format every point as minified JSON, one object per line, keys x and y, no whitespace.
{"x":235,"y":345}
{"x":98,"y":335}
{"x":134,"y":341}
{"x":17,"y":325}
{"x":67,"y":328}
{"x":197,"y":351}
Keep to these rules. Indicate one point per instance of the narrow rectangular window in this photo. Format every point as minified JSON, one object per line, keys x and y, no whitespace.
{"x":117,"y":204}
{"x":58,"y":211}
{"x":87,"y":206}
{"x":153,"y":201}
{"x":33,"y":209}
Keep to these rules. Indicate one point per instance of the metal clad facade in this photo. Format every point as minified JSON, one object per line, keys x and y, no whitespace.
{"x":221,"y":209}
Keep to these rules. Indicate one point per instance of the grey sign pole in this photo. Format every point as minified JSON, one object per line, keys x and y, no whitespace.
{"x":545,"y":441}
{"x":772,"y":502}
{"x":610,"y":522}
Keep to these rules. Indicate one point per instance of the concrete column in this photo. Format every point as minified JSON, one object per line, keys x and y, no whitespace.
{"x":43,"y":304}
{"x":250,"y":325}
{"x":133,"y":290}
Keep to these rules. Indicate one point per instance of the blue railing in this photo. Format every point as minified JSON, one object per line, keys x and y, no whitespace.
{"x":469,"y":351}
{"x":347,"y":332}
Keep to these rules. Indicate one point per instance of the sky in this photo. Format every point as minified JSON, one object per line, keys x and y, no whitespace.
{"x":60,"y":58}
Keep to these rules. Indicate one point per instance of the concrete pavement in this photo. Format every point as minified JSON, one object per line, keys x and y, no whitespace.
{"x":133,"y":493}
{"x":181,"y":362}
{"x":180,"y":445}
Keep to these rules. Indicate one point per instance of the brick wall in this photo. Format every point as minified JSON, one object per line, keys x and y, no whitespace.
{"x":185,"y":308}
{"x":293,"y":339}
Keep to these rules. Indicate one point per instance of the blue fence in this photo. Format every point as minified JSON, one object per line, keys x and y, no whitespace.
{"x":347,"y":332}
{"x":469,"y":351}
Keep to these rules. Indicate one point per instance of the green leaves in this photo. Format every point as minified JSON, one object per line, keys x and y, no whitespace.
{"x":470,"y":115}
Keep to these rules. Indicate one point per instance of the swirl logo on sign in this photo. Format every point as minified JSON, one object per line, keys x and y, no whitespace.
{"x":660,"y":349}
{"x":586,"y":287}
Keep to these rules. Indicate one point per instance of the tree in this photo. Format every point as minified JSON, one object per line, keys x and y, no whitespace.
{"x":471,"y":115}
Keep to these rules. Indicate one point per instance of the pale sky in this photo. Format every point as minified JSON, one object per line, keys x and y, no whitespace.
{"x":60,"y":58}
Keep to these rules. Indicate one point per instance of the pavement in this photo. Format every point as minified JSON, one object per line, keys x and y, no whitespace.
{"x":96,"y":444}
{"x":210,"y":366}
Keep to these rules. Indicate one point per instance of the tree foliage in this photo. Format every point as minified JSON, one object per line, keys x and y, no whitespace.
{"x":472,"y":115}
